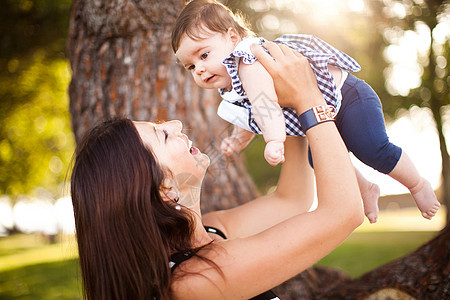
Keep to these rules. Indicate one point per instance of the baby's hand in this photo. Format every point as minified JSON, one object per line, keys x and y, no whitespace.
{"x":238,"y":140}
{"x":274,"y":152}
{"x":230,"y":145}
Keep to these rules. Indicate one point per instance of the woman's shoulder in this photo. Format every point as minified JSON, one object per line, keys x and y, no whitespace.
{"x":214,"y":219}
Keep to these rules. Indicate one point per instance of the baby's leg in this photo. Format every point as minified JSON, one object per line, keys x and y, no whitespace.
{"x":361,"y":124}
{"x":370,"y":192}
{"x":421,"y":190}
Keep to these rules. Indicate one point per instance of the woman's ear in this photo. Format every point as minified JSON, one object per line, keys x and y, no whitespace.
{"x":169,"y":194}
{"x":233,"y":35}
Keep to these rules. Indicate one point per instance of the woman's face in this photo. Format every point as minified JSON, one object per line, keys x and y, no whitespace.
{"x":174,"y":150}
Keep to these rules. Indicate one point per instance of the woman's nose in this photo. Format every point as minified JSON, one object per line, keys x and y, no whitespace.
{"x":176,"y":125}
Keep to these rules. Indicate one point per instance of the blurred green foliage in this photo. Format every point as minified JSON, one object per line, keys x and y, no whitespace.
{"x":37,"y":143}
{"x":35,"y":138}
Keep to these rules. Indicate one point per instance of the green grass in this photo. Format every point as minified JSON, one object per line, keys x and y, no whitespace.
{"x":364,"y":251}
{"x":56,"y":280}
{"x":23,"y":249}
{"x":30,"y":268}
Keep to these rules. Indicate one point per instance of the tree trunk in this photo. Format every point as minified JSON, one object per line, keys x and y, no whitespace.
{"x":445,"y":185}
{"x":123,"y":65}
{"x":423,"y":274}
{"x":437,"y":102}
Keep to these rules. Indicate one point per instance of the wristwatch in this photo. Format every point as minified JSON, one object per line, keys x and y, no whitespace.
{"x":316,"y":115}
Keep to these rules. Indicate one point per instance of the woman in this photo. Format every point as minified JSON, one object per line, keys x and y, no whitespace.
{"x":141,"y":234}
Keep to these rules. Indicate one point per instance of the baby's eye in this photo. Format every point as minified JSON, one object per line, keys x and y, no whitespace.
{"x":204,"y":55}
{"x":190,"y":68}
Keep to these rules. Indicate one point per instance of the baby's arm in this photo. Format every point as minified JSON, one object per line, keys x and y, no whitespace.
{"x":336,"y":73}
{"x":238,"y":140}
{"x":260,"y":90}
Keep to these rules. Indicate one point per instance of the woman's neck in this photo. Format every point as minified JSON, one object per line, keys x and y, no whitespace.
{"x":200,"y":237}
{"x":190,"y":199}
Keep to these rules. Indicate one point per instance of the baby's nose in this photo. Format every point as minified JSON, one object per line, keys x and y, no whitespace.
{"x":200,"y":68}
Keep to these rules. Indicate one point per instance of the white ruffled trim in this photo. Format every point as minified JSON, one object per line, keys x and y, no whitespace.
{"x":243,"y":50}
{"x":231,"y":96}
{"x":231,"y":62}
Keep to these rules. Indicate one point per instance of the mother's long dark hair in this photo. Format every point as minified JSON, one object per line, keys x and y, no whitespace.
{"x":125,"y":231}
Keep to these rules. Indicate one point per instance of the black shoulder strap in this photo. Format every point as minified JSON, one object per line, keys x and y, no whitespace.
{"x":215,"y":231}
{"x":177,"y":258}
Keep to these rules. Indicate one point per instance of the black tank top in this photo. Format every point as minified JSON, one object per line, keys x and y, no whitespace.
{"x":177,"y":258}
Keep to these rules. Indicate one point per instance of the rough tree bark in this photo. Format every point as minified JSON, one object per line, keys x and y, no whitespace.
{"x":123,"y":65}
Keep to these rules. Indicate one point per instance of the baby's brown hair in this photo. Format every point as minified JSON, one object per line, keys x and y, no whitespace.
{"x":210,"y":14}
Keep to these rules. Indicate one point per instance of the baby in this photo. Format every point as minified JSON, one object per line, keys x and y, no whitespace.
{"x":214,"y":45}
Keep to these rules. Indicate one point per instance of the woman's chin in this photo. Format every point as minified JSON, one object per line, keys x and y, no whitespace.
{"x":203,"y":159}
{"x":204,"y":162}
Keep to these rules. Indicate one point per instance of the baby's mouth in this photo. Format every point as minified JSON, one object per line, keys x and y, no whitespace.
{"x":209,"y":78}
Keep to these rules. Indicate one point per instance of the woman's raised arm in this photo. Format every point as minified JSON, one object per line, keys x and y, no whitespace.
{"x":294,"y":195}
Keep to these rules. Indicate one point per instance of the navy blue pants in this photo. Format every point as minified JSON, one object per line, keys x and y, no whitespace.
{"x":360,"y":122}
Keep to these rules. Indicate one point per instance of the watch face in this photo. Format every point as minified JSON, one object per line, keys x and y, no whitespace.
{"x":324,"y":113}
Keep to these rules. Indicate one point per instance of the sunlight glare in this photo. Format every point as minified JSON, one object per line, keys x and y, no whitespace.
{"x":356,"y":5}
{"x":270,"y":22}
{"x":406,"y":53}
{"x":64,"y":214}
{"x":441,"y":33}
{"x":35,"y":216}
{"x":326,"y":7}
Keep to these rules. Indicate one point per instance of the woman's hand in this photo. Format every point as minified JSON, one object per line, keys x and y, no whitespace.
{"x":294,"y":80}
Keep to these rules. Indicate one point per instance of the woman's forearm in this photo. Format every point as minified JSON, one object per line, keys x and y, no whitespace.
{"x":337,"y":187}
{"x":336,"y":181}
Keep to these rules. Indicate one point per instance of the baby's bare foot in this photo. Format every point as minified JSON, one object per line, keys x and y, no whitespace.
{"x":370,"y":201}
{"x":425,"y":199}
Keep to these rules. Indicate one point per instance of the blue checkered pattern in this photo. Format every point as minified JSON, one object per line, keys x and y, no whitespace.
{"x":319,"y":55}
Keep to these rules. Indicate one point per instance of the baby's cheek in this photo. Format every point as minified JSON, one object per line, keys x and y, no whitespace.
{"x":197,"y":80}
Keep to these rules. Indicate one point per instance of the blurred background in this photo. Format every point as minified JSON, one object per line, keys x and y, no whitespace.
{"x":402,"y":46}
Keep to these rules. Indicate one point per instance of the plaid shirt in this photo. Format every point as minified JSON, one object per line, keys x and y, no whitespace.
{"x":319,"y":55}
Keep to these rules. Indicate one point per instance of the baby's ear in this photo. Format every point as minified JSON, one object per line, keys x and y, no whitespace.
{"x":233,"y":35}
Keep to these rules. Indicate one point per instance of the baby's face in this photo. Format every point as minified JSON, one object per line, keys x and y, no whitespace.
{"x":203,"y":57}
